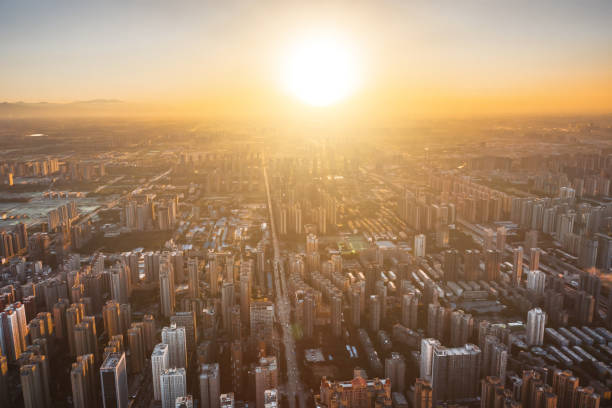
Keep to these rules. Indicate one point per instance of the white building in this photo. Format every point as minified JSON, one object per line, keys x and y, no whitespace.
{"x":536,"y":323}
{"x":419,"y":245}
{"x":173,"y":384}
{"x":160,"y":361}
{"x":176,"y":339}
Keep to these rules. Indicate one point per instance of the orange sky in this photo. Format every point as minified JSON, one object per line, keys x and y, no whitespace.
{"x":418,"y":59}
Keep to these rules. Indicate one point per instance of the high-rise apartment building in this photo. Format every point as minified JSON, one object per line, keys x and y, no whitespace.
{"x":120,"y":283}
{"x":266,"y":377}
{"x":193,"y":277}
{"x":166,"y":288}
{"x":262,"y":320}
{"x":536,"y":323}
{"x":455,"y":372}
{"x":83,"y":381}
{"x":176,"y":339}
{"x":111,"y":314}
{"x":160,"y":361}
{"x":451,"y":264}
{"x":419,"y":245}
{"x":210,"y":385}
{"x":534,"y":259}
{"x":189,"y":322}
{"x":375,"y":313}
{"x":426,"y":360}
{"x":410,"y":305}
{"x":336,"y":314}
{"x":227,"y":302}
{"x":517,"y":265}
{"x":173,"y":384}
{"x":113,"y":379}
{"x":395,"y":370}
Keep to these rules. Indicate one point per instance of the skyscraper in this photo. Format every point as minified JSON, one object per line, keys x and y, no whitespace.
{"x":356,"y":305}
{"x":236,"y":365}
{"x":262,"y":320}
{"x":534,"y":260}
{"x":588,"y":253}
{"x":113,"y":378}
{"x":246,"y":271}
{"x":501,"y":239}
{"x":410,"y":304}
{"x":419,"y":245}
{"x":312,"y":243}
{"x":84,"y":386}
{"x":426,"y":361}
{"x":395,"y":370}
{"x":10,"y":336}
{"x":150,"y":332}
{"x":193,"y":277}
{"x":492,"y":264}
{"x":461,"y":327}
{"x":261,"y":267}
{"x":160,"y":361}
{"x":471,"y":264}
{"x":210,"y":385}
{"x":135,"y":340}
{"x":166,"y":288}
{"x":227,"y":302}
{"x":587,"y":398}
{"x":120,"y":283}
{"x":32,"y":386}
{"x":213,"y":274}
{"x":455,"y":372}
{"x":536,"y":281}
{"x":173,"y":384}
{"x":111,"y":313}
{"x":309,"y":314}
{"x":517,"y":265}
{"x":336,"y":314}
{"x":451,"y":265}
{"x":565,"y":385}
{"x":189,"y":322}
{"x":266,"y":377}
{"x":175,"y":338}
{"x":74,"y":315}
{"x":375,"y":313}
{"x":86,"y":341}
{"x":536,"y":323}
{"x":488,"y":237}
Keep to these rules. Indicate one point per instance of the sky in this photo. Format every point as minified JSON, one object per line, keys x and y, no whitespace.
{"x":416,"y":59}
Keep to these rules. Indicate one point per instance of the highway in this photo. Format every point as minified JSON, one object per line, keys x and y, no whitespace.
{"x":294,"y":385}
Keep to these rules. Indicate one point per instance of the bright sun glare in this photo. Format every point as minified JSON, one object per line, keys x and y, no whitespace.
{"x":321,"y":71}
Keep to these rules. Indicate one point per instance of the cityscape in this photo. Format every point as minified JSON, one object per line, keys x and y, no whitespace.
{"x":152,"y":257}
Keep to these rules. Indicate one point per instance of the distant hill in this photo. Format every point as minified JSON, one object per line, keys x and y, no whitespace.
{"x":93,"y":107}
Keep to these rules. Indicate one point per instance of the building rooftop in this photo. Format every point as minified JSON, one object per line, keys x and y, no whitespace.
{"x":111,"y":361}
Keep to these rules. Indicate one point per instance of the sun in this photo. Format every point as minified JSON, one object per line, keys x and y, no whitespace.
{"x":321,"y":71}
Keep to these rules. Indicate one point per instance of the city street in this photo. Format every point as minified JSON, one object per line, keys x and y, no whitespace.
{"x":283,"y":311}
